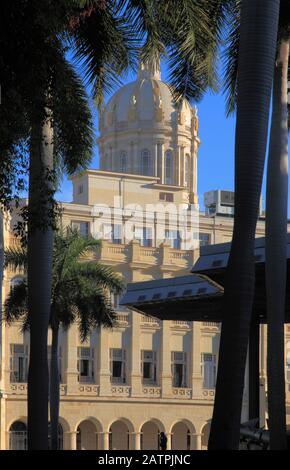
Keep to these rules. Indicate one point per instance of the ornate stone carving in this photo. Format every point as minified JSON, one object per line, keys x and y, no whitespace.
{"x":132,"y":113}
{"x":181,"y":118}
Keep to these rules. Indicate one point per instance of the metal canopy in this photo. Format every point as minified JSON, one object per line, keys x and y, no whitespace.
{"x":213,"y":262}
{"x":173,"y":298}
{"x":198,"y":296}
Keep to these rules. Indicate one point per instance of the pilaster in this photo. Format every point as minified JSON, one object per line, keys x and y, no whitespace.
{"x":166,"y":376}
{"x":135,"y":354}
{"x":196,"y":377}
{"x":71,"y":372}
{"x":104,"y":374}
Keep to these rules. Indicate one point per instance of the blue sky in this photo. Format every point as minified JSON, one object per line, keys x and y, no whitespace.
{"x":216,"y":153}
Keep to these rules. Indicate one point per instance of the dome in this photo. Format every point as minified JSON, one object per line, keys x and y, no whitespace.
{"x":146,"y":99}
{"x":143,"y":132}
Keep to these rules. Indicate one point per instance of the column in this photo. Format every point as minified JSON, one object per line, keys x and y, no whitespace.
{"x":169,"y":444}
{"x":3,"y":445}
{"x":136,"y":159}
{"x":71,"y":440}
{"x":195,"y":442}
{"x":182,"y":163}
{"x":160,"y":157}
{"x":104,"y":374}
{"x":137,"y":440}
{"x":263,"y":382}
{"x":166,"y":376}
{"x":196,"y":377}
{"x":131,"y":158}
{"x":194,"y":173}
{"x":155,"y":147}
{"x":72,"y":361}
{"x":106,"y":440}
{"x":110,"y":162}
{"x":135,"y":354}
{"x":254,"y":369}
{"x":178,"y":166}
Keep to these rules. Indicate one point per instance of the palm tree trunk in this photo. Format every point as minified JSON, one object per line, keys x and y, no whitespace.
{"x":259,"y":24}
{"x":54,"y":389}
{"x":276,"y":250}
{"x":1,"y":276}
{"x":40,"y":243}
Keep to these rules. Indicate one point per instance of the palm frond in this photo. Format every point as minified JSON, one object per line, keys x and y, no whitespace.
{"x":191,"y":31}
{"x":73,"y":126}
{"x":104,"y":46}
{"x":142,"y":16}
{"x":100,"y":274}
{"x":15,"y":305}
{"x":230,"y":58}
{"x":94,"y":311}
{"x":15,"y":258}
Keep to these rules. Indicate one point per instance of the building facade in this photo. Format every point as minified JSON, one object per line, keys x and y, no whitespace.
{"x":124,"y":386}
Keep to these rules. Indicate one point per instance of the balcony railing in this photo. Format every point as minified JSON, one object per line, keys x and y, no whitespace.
{"x":149,"y":321}
{"x":122,"y":319}
{"x":180,"y":324}
{"x":133,"y":252}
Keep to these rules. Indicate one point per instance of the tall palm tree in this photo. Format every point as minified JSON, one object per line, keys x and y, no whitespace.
{"x":1,"y":264}
{"x":276,"y":215}
{"x":104,"y":37}
{"x":80,"y":293}
{"x":54,"y":106}
{"x":276,"y":243}
{"x":257,"y":47}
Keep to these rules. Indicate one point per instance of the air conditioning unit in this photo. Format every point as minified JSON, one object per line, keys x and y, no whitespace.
{"x":220,"y":202}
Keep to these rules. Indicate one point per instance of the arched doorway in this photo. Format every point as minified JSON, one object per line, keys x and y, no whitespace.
{"x":18,"y":436}
{"x":204,"y":436}
{"x":60,"y":437}
{"x":119,"y":438}
{"x":87,"y":437}
{"x":150,"y":432}
{"x":180,"y":437}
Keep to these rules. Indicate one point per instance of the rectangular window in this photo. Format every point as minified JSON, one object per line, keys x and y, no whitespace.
{"x":144,"y":235}
{"x":167,"y":197}
{"x":81,"y":189}
{"x":86,"y":365}
{"x":149,"y":367}
{"x":113,"y":233}
{"x":118,"y":365}
{"x":173,"y":237}
{"x":18,"y":363}
{"x":204,"y":239}
{"x":208,"y":370}
{"x":179,"y":369}
{"x":117,"y":234}
{"x":82,"y":227}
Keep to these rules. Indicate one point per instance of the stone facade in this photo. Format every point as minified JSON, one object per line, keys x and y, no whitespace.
{"x":123,"y":387}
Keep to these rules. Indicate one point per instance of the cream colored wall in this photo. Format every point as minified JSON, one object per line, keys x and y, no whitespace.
{"x":100,"y":404}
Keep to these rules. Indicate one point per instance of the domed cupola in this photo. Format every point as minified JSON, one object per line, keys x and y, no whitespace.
{"x":143,"y":131}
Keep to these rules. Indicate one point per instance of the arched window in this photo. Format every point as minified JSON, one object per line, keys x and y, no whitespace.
{"x":186,"y":170}
{"x":123,"y":161}
{"x":145,"y":162}
{"x":18,"y":436}
{"x":168,"y":167}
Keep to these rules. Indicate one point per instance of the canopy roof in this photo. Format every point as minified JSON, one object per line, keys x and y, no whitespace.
{"x":198,"y":296}
{"x":173,"y":298}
